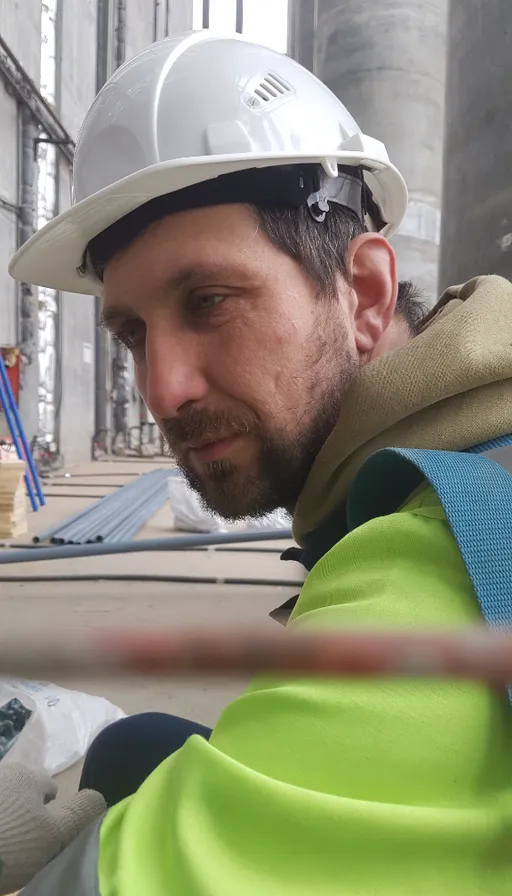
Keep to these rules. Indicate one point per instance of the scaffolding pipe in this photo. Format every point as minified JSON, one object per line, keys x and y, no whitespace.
{"x":130,"y":507}
{"x":136,"y":510}
{"x":130,"y":526}
{"x":134,"y":516}
{"x":70,"y":528}
{"x":87,"y":529}
{"x":48,"y":534}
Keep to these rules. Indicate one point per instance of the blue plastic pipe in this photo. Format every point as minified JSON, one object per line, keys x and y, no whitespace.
{"x":181,"y":543}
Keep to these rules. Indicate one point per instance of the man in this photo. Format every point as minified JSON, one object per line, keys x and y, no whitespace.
{"x":236,"y":222}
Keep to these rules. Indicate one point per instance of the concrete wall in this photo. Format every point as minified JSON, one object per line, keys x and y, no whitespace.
{"x":77,"y":62}
{"x":180,"y":15}
{"x":139,"y":25}
{"x":477,"y":208}
{"x":20,"y":27}
{"x":385,"y":60}
{"x":8,"y":217}
{"x":76,"y":416}
{"x":76,"y":91}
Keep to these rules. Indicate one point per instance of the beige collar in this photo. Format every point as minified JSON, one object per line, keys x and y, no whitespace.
{"x":450,"y":387}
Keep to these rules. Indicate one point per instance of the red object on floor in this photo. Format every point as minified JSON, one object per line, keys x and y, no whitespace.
{"x":12,"y":359}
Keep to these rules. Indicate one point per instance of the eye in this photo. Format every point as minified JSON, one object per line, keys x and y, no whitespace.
{"x":206,"y":301}
{"x":132,"y":334}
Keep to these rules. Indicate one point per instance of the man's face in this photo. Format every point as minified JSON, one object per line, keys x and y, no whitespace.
{"x":242,"y":365}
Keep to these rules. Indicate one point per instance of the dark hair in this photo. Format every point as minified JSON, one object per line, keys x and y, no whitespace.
{"x":321,"y":249}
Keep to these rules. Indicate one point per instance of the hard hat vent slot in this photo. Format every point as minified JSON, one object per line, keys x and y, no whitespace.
{"x":272,"y":87}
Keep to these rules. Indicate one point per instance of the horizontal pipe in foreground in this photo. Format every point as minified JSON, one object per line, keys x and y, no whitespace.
{"x":471,"y":653}
{"x":180,"y":543}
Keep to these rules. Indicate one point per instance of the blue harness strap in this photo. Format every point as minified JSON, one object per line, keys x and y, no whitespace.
{"x":476,"y":495}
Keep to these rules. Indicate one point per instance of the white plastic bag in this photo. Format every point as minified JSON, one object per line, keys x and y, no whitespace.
{"x":189,"y":513}
{"x":191,"y":516}
{"x":278,"y":519}
{"x":49,"y":728}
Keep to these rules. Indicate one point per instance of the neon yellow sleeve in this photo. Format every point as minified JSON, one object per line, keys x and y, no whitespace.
{"x":336,"y":787}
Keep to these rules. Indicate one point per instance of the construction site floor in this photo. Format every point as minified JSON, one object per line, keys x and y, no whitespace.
{"x":69,"y":605}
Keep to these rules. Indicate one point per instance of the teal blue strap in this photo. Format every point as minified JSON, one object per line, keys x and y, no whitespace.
{"x":476,"y":496}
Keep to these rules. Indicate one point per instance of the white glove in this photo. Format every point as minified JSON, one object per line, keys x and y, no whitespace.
{"x":32,"y":832}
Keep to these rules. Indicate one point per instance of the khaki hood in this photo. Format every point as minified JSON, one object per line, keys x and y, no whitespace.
{"x":448,"y":388}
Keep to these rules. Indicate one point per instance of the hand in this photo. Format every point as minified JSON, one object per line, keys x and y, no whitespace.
{"x":33,"y":832}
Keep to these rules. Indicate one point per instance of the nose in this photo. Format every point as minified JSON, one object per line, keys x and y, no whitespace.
{"x":172,"y":374}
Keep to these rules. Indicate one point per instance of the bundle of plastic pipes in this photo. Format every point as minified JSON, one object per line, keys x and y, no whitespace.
{"x":114,"y":518}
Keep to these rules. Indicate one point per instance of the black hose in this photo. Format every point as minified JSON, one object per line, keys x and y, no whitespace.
{"x":199,"y":580}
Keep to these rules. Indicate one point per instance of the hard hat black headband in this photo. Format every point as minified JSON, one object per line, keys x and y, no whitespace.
{"x":292,"y":186}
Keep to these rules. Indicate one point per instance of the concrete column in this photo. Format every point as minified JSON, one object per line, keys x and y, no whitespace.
{"x":302,"y":22}
{"x":178,"y":15}
{"x":385,"y":60}
{"x":477,"y":203}
{"x":28,"y":310}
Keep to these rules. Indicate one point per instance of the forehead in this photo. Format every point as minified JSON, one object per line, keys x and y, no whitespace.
{"x":211,"y":236}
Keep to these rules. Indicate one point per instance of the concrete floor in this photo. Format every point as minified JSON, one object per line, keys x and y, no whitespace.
{"x":113,"y":603}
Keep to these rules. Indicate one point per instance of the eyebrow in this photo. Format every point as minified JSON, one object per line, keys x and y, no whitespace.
{"x":202,"y":275}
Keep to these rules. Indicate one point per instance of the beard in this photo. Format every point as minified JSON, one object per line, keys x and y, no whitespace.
{"x":285,"y":457}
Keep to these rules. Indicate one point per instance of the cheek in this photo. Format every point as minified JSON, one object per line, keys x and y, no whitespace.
{"x":260,"y":363}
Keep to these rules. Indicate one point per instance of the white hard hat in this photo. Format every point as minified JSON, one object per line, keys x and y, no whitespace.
{"x":187,"y":110}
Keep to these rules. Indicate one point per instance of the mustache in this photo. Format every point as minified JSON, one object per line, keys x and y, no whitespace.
{"x":206,"y":425}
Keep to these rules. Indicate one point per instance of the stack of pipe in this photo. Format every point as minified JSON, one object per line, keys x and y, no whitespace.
{"x":116,"y":517}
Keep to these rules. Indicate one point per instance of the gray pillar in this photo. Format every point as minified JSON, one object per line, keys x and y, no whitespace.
{"x":103,"y":18}
{"x":120,"y":374}
{"x":178,"y":16}
{"x":477,"y":204}
{"x":385,"y":60}
{"x":28,"y":307}
{"x":302,"y":22}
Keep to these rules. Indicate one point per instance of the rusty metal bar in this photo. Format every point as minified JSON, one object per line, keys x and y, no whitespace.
{"x":471,"y":654}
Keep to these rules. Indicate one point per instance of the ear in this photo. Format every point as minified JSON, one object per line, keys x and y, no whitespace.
{"x":372,"y":268}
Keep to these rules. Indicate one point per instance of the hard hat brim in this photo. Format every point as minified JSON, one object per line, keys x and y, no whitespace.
{"x":54,"y":255}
